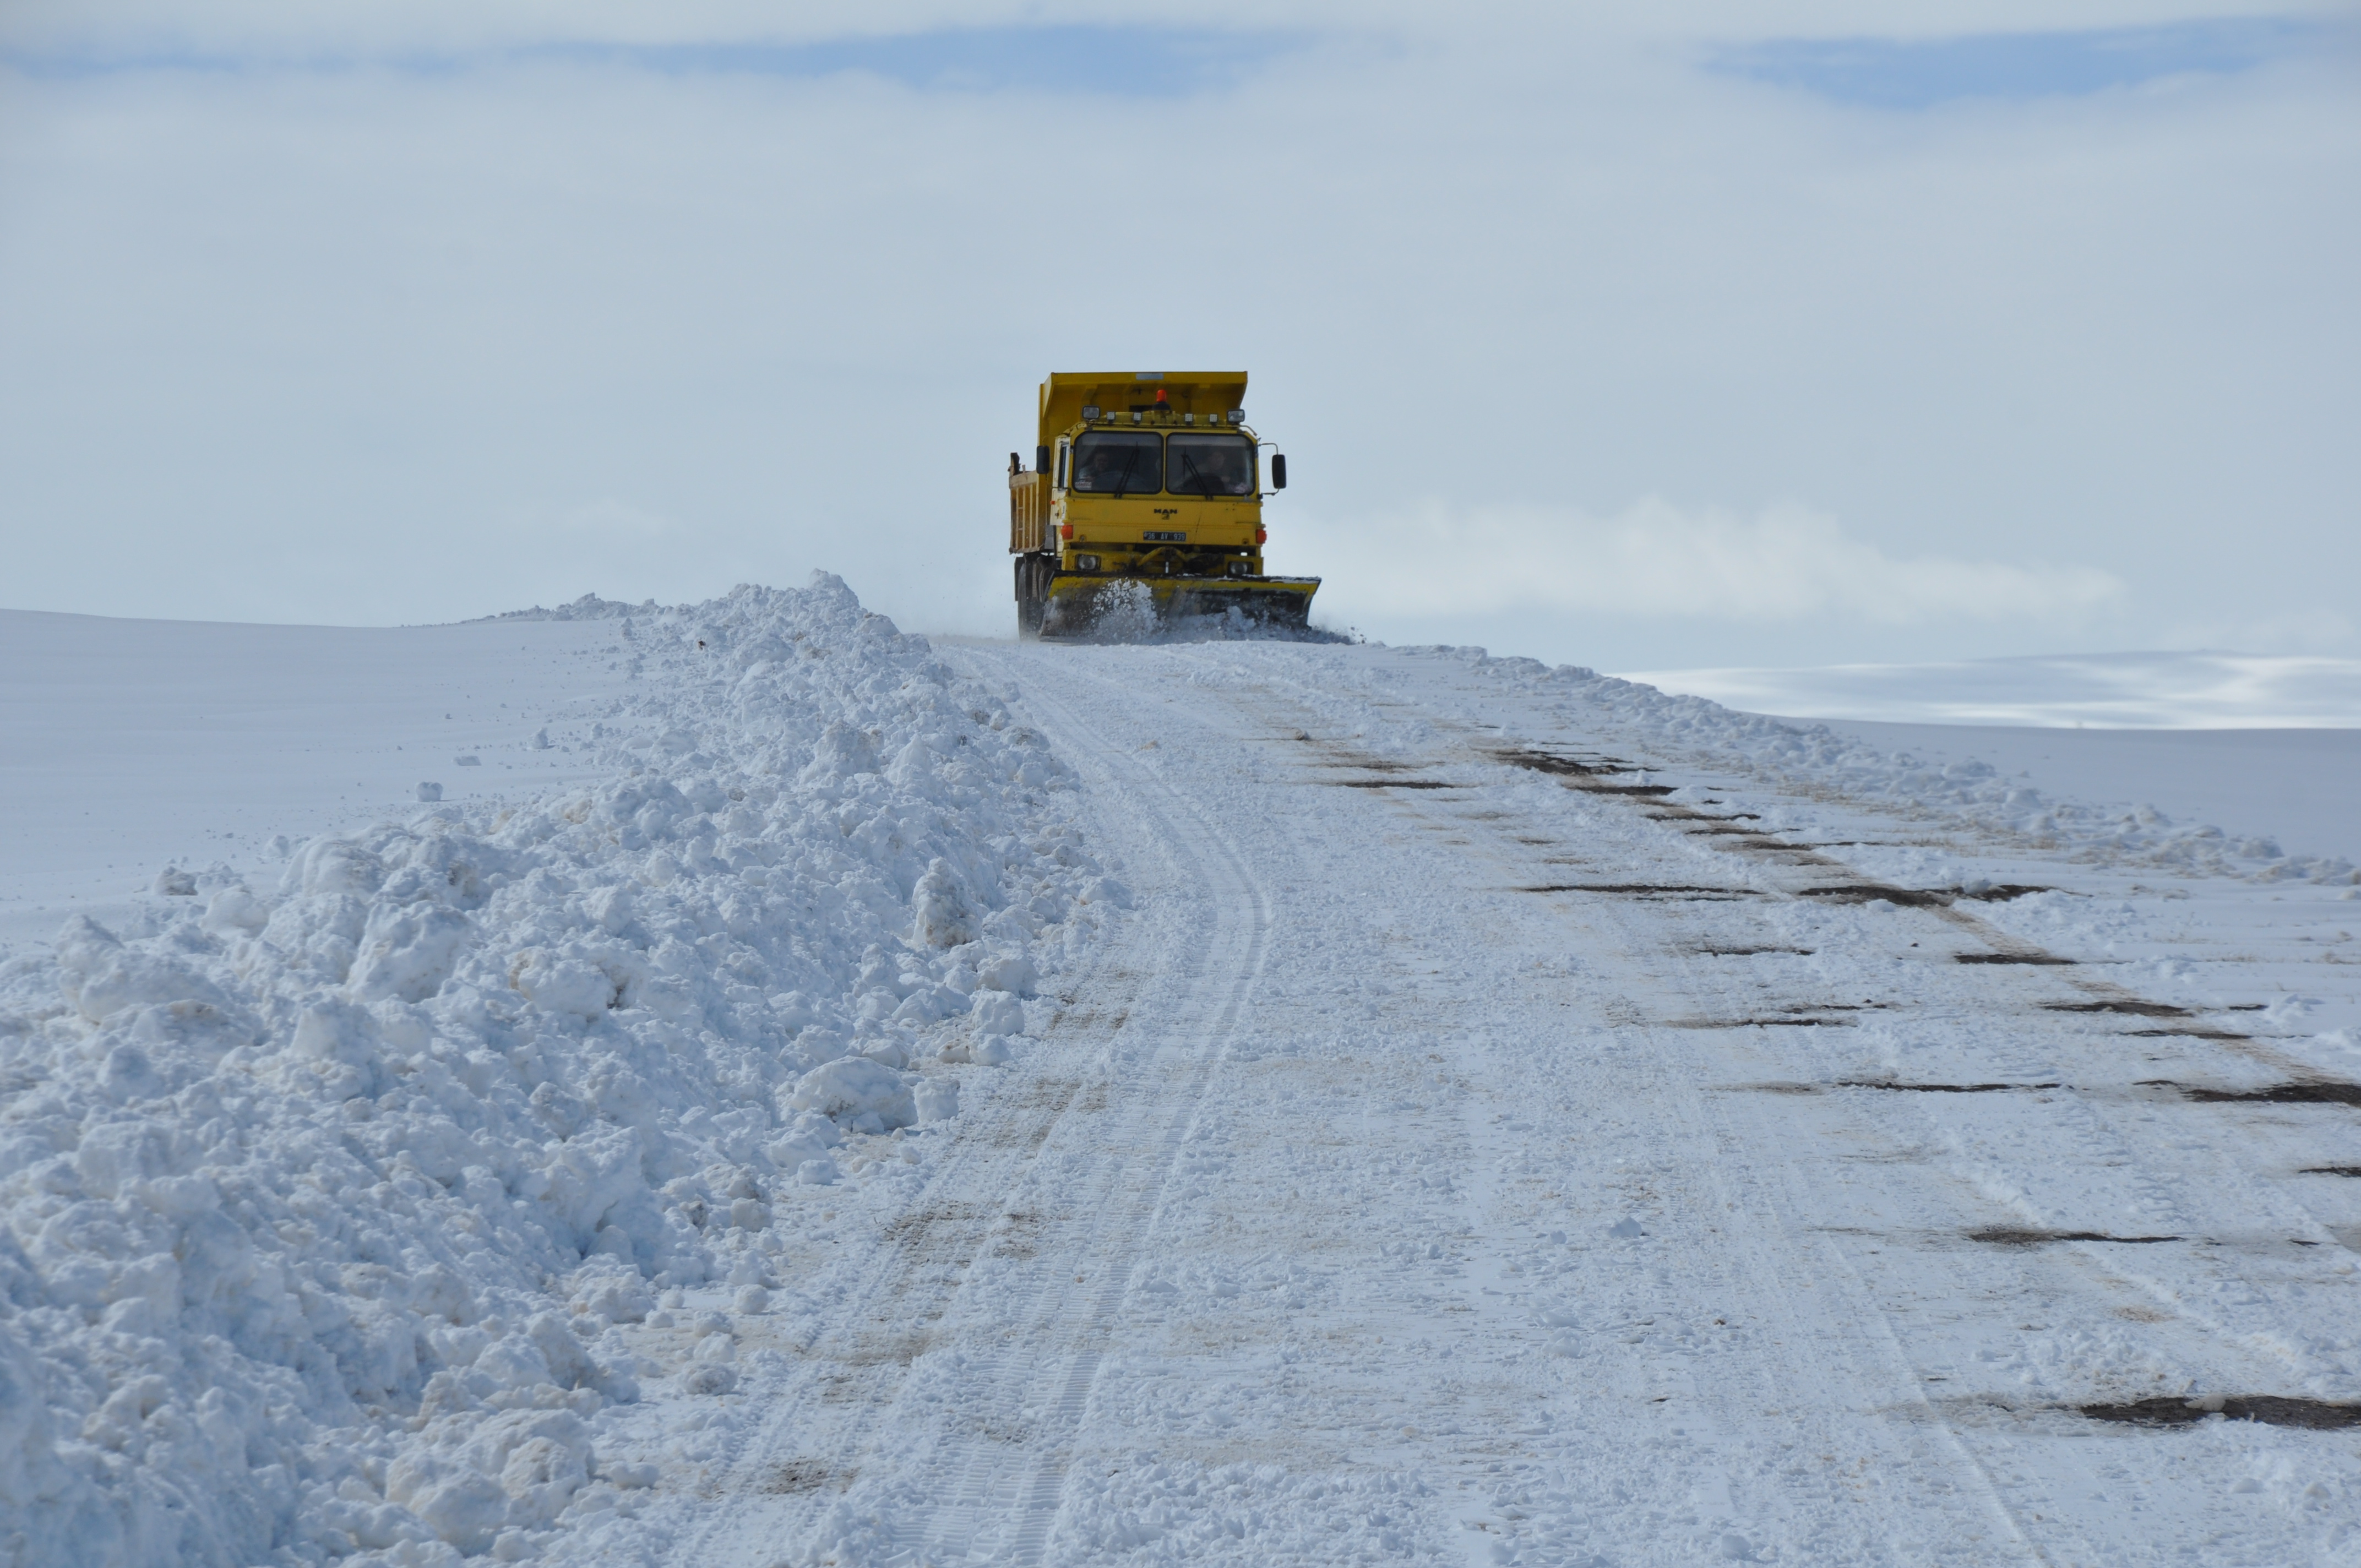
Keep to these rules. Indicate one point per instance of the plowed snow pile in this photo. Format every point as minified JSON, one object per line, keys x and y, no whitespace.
{"x":323,"y":1192}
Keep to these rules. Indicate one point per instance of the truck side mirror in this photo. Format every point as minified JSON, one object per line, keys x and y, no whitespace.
{"x":1040,"y":460}
{"x":1013,"y":466}
{"x":1278,"y":470}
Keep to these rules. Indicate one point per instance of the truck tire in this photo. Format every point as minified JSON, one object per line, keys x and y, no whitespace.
{"x":1032,"y":579}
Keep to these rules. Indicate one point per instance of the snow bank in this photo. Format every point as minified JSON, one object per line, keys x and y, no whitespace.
{"x":322,"y":1192}
{"x":1973,"y":792}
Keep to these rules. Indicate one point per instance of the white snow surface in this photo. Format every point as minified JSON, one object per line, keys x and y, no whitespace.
{"x":2134,"y":691}
{"x":1225,"y":1103}
{"x":2292,"y":787}
{"x":326,"y":1188}
{"x":137,"y":744}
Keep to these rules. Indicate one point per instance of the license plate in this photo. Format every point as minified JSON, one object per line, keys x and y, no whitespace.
{"x":1154,"y":537}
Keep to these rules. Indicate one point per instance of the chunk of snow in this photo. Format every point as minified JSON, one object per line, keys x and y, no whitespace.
{"x":1011,"y":972}
{"x":996,"y":1013}
{"x":851,"y":1087}
{"x":936,"y":1098}
{"x":942,"y":915}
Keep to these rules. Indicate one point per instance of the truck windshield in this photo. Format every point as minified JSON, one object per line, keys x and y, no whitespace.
{"x":1117,"y":461}
{"x":1209,"y":465}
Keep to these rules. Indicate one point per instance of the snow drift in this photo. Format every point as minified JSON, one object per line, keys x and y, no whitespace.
{"x":322,"y":1189}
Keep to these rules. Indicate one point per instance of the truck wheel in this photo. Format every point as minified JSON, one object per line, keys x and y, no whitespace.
{"x":1030,"y":601}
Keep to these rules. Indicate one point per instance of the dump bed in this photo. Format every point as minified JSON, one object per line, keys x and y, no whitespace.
{"x":1029,"y":512}
{"x":1066,"y":393}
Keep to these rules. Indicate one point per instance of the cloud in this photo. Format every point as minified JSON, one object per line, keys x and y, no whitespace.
{"x":1916,"y":73}
{"x":1119,"y":62}
{"x":1785,"y":564}
{"x":346,"y":344}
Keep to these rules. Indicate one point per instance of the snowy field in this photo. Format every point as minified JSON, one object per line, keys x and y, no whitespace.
{"x":2268,"y":747}
{"x":2113,"y":691}
{"x":869,"y":1102}
{"x":2298,"y":788}
{"x":137,"y":744}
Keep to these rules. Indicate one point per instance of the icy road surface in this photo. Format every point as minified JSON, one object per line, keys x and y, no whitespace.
{"x":1509,"y":1129}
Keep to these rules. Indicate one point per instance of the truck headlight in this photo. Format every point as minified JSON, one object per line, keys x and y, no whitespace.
{"x":1086,"y":563}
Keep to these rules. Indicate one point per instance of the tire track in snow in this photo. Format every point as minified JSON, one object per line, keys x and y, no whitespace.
{"x":2059,"y":1285}
{"x":1218,"y":975}
{"x":824,"y":1428}
{"x":1959,"y":1515}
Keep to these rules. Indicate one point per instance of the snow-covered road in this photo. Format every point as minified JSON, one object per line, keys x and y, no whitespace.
{"x":1497,"y":1136}
{"x":1245,"y":1102}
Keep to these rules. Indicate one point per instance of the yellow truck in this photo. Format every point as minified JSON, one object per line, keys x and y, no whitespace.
{"x":1145,"y":496}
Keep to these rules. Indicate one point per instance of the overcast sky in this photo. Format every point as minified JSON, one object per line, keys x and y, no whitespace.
{"x":1688,"y":334}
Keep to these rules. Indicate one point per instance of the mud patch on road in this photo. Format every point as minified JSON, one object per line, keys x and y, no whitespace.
{"x":2312,"y":1091}
{"x":1749,"y":952}
{"x":1044,"y":1101}
{"x":2028,"y":1236}
{"x":889,"y":1349}
{"x":1896,"y":1086}
{"x":1779,"y":1021}
{"x":2051,"y":959}
{"x":797,"y":1477}
{"x":1021,"y":1239}
{"x":1871,"y":892}
{"x":920,"y":1230}
{"x":1644,"y":889}
{"x":1900,"y":1088}
{"x":2130,"y":1006}
{"x":2353,"y":1170}
{"x":1395,"y":783}
{"x":2270,"y":1409}
{"x":1549,"y":763}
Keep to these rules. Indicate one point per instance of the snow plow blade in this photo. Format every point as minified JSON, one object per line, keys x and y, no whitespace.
{"x":1126,"y":606}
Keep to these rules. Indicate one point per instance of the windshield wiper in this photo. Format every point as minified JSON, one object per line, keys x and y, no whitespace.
{"x":1123,"y":480}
